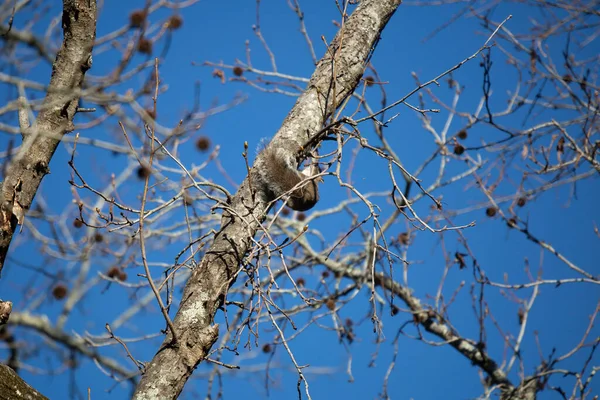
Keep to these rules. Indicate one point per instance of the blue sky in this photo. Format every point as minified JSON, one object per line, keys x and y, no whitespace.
{"x":215,"y":32}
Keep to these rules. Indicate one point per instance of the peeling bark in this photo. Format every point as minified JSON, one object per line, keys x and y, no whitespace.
{"x":345,"y":60}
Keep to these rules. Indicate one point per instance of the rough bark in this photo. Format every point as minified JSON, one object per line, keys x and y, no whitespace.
{"x":12,"y":387}
{"x":334,"y":79}
{"x":30,"y":165}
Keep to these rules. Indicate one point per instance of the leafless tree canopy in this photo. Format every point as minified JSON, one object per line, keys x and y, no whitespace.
{"x":443,"y":217}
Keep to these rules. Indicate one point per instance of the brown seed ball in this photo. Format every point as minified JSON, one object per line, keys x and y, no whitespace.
{"x":395,"y":310}
{"x":567,"y":78}
{"x":491,"y":211}
{"x":459,"y":149}
{"x":512,"y":223}
{"x":404,"y":238}
{"x":267,"y":348}
{"x":113,"y":272}
{"x":98,"y":238}
{"x":238,"y":71}
{"x":462,"y":135}
{"x":300,"y":282}
{"x":137,"y":18}
{"x":59,"y":291}
{"x":285,"y":212}
{"x":145,"y":46}
{"x":330,"y":303}
{"x":325,"y":274}
{"x":122,"y":276}
{"x":369,"y":80}
{"x":522,"y":201}
{"x":203,"y":143}
{"x":560,"y":146}
{"x":143,"y":172}
{"x":175,"y":22}
{"x":300,"y":217}
{"x":77,"y":223}
{"x":521,"y":316}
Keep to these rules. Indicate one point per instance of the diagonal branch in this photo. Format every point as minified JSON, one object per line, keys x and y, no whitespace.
{"x":30,"y":165}
{"x":12,"y":386}
{"x":335,"y":78}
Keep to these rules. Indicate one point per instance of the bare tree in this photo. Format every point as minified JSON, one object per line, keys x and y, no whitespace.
{"x":204,"y":272}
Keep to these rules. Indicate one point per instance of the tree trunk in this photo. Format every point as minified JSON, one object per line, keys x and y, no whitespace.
{"x":206,"y":289}
{"x":30,"y":165}
{"x":12,"y":387}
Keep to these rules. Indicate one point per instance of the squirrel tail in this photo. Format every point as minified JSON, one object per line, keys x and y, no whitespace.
{"x":281,"y":175}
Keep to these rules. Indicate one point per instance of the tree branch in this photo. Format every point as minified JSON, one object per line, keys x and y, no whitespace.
{"x":334,"y":79}
{"x":30,"y":165}
{"x":13,"y":387}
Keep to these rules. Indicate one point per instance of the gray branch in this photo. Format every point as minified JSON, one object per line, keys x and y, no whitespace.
{"x":30,"y":165}
{"x":335,"y":78}
{"x":42,"y":325}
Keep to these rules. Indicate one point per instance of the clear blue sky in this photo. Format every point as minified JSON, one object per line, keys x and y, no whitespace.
{"x":217,"y":31}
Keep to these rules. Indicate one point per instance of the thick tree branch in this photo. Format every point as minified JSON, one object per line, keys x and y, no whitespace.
{"x":334,"y":79}
{"x":12,"y":387}
{"x":30,"y":165}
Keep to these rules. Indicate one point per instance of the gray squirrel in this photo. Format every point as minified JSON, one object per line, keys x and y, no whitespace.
{"x":279,"y":173}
